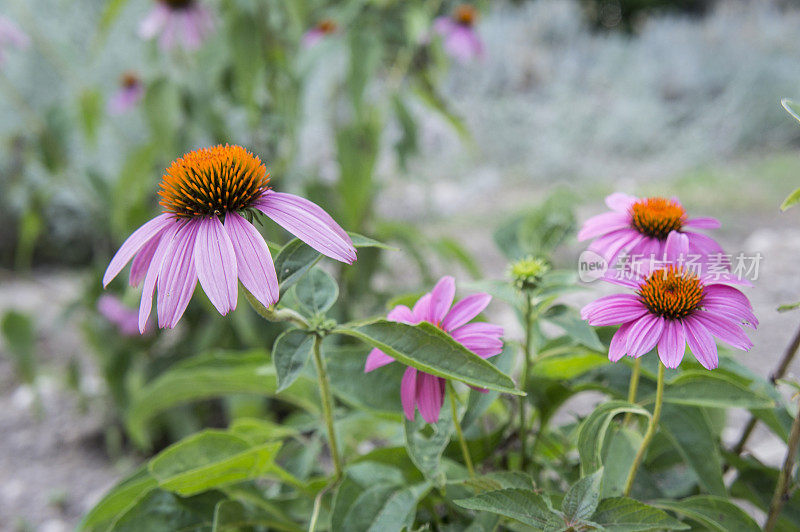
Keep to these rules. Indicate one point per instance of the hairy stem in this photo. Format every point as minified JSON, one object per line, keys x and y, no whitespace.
{"x":274,"y":314}
{"x":526,"y":363}
{"x":457,"y":423}
{"x":651,"y":431}
{"x":327,"y":407}
{"x":781,"y":489}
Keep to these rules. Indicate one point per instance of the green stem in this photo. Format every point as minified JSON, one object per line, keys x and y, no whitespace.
{"x":633,"y":387}
{"x":457,"y":423}
{"x":526,"y":363}
{"x":327,"y":407}
{"x":651,"y":431}
{"x":274,"y":314}
{"x":780,"y":496}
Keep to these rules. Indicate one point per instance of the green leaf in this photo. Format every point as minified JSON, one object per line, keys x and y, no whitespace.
{"x":479,"y":402}
{"x":425,"y":443}
{"x":567,"y":363}
{"x":209,"y":459}
{"x":290,"y":354}
{"x":593,"y":431}
{"x":579,"y":330}
{"x":377,"y":390}
{"x":499,"y":480}
{"x":789,"y":306}
{"x":233,"y":516}
{"x":431,"y":350}
{"x":582,"y":499}
{"x":623,"y":443}
{"x":316,"y":292}
{"x":20,"y":342}
{"x":293,"y":261}
{"x":91,"y":104}
{"x":715,"y":513}
{"x":628,"y":515}
{"x":258,"y":431}
{"x":162,"y":511}
{"x":690,"y":430}
{"x":361,"y":241}
{"x":706,"y":388}
{"x":119,"y":499}
{"x":212,"y":376}
{"x":525,"y":506}
{"x":791,"y":200}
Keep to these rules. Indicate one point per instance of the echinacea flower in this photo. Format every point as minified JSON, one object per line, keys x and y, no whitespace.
{"x":461,"y":40}
{"x":11,"y":35}
{"x":423,"y":390}
{"x":203,"y":235}
{"x":639,"y":227}
{"x":317,"y":33}
{"x":674,"y":306}
{"x":177,"y":22}
{"x":129,"y":94}
{"x":124,"y":318}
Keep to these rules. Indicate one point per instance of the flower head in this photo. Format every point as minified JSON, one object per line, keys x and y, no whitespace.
{"x":423,"y":390}
{"x":11,"y":35}
{"x":125,"y":319}
{"x":461,"y":40}
{"x":203,"y":236}
{"x":526,"y":273}
{"x":177,"y":22}
{"x":640,"y":227}
{"x":674,"y":306}
{"x":130,"y":92}
{"x":322,"y":29}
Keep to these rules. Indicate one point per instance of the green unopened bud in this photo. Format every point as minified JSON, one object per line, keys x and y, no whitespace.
{"x":526,"y":274}
{"x":322,"y":324}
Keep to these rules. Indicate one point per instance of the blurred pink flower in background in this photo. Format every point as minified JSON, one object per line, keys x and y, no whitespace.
{"x":422,"y":390}
{"x":129,"y":94}
{"x":317,"y":33}
{"x":120,"y":315}
{"x":458,"y":33}
{"x":177,"y":22}
{"x":11,"y":36}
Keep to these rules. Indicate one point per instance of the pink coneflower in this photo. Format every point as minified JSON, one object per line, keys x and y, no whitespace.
{"x":639,"y":227}
{"x":422,"y":390}
{"x":129,"y":94}
{"x":11,"y":35}
{"x":177,"y":22}
{"x":323,"y":28}
{"x":124,"y":318}
{"x":461,"y":40}
{"x":674,"y":306}
{"x":190,"y":242}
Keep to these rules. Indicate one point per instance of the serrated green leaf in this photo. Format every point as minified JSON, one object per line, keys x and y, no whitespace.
{"x":593,"y":430}
{"x":290,"y":354}
{"x":628,"y":515}
{"x":582,"y":499}
{"x":713,"y":512}
{"x":431,"y":350}
{"x":705,"y":388}
{"x":210,"y":459}
{"x":524,"y":506}
{"x":316,"y":292}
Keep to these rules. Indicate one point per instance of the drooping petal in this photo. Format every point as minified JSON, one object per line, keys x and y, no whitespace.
{"x":701,"y":342}
{"x":215,"y":262}
{"x":408,"y":392}
{"x":643,"y":335}
{"x":620,"y":202}
{"x":672,"y":344}
{"x":254,"y":262}
{"x":465,"y":310}
{"x":377,"y":359}
{"x":481,"y":344}
{"x":727,"y":293}
{"x":619,"y":311}
{"x":441,"y":298}
{"x":726,"y":330}
{"x":141,"y":262}
{"x":310,"y":223}
{"x":604,"y":223}
{"x":617,"y":348}
{"x":614,"y":300}
{"x":422,"y":308}
{"x":134,"y":243}
{"x":479,"y":328}
{"x":402,"y":314}
{"x":150,"y":280}
{"x":703,"y":222}
{"x":611,"y":245}
{"x":704,"y":245}
{"x":178,"y":276}
{"x":430,"y":396}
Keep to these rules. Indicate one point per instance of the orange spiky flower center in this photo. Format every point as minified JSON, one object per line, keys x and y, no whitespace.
{"x":657,"y":217}
{"x":466,"y":15}
{"x":327,"y":26}
{"x":672,"y":292}
{"x":213,"y":181}
{"x":178,"y":4}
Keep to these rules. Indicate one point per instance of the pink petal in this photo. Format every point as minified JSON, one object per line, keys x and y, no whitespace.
{"x":614,"y":300}
{"x":422,"y":308}
{"x":142,"y":260}
{"x":215,"y":262}
{"x":676,"y":249}
{"x":482,"y":345}
{"x":430,"y":396}
{"x":672,"y":344}
{"x":604,"y":223}
{"x":610,"y":245}
{"x":465,"y":310}
{"x":463,"y":44}
{"x":402,"y":314}
{"x":310,"y":223}
{"x":616,"y":313}
{"x":701,"y":342}
{"x":479,"y":327}
{"x":408,"y":392}
{"x":254,"y":262}
{"x":643,"y":335}
{"x":702,"y":223}
{"x":377,"y":359}
{"x":703,"y":244}
{"x":134,"y":243}
{"x":617,"y":348}
{"x":620,"y":202}
{"x":164,"y":243}
{"x":441,"y":298}
{"x":178,"y":276}
{"x":726,"y":330}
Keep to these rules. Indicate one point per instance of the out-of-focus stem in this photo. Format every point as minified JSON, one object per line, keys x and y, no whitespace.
{"x":633,"y":387}
{"x":274,"y":314}
{"x":457,"y":423}
{"x":327,"y":407}
{"x":651,"y":431}
{"x":527,"y":348}
{"x":781,"y":493}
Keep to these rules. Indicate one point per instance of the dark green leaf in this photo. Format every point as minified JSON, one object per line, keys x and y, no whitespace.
{"x":715,"y":513}
{"x":706,"y":388}
{"x":568,"y":319}
{"x":20,"y":341}
{"x":293,"y":261}
{"x":525,"y":506}
{"x":290,"y":354}
{"x":119,"y":499}
{"x":316,"y":292}
{"x":161,"y":511}
{"x":582,"y":499}
{"x":426,"y":443}
{"x":361,"y":241}
{"x":593,"y":431}
{"x":628,"y":515}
